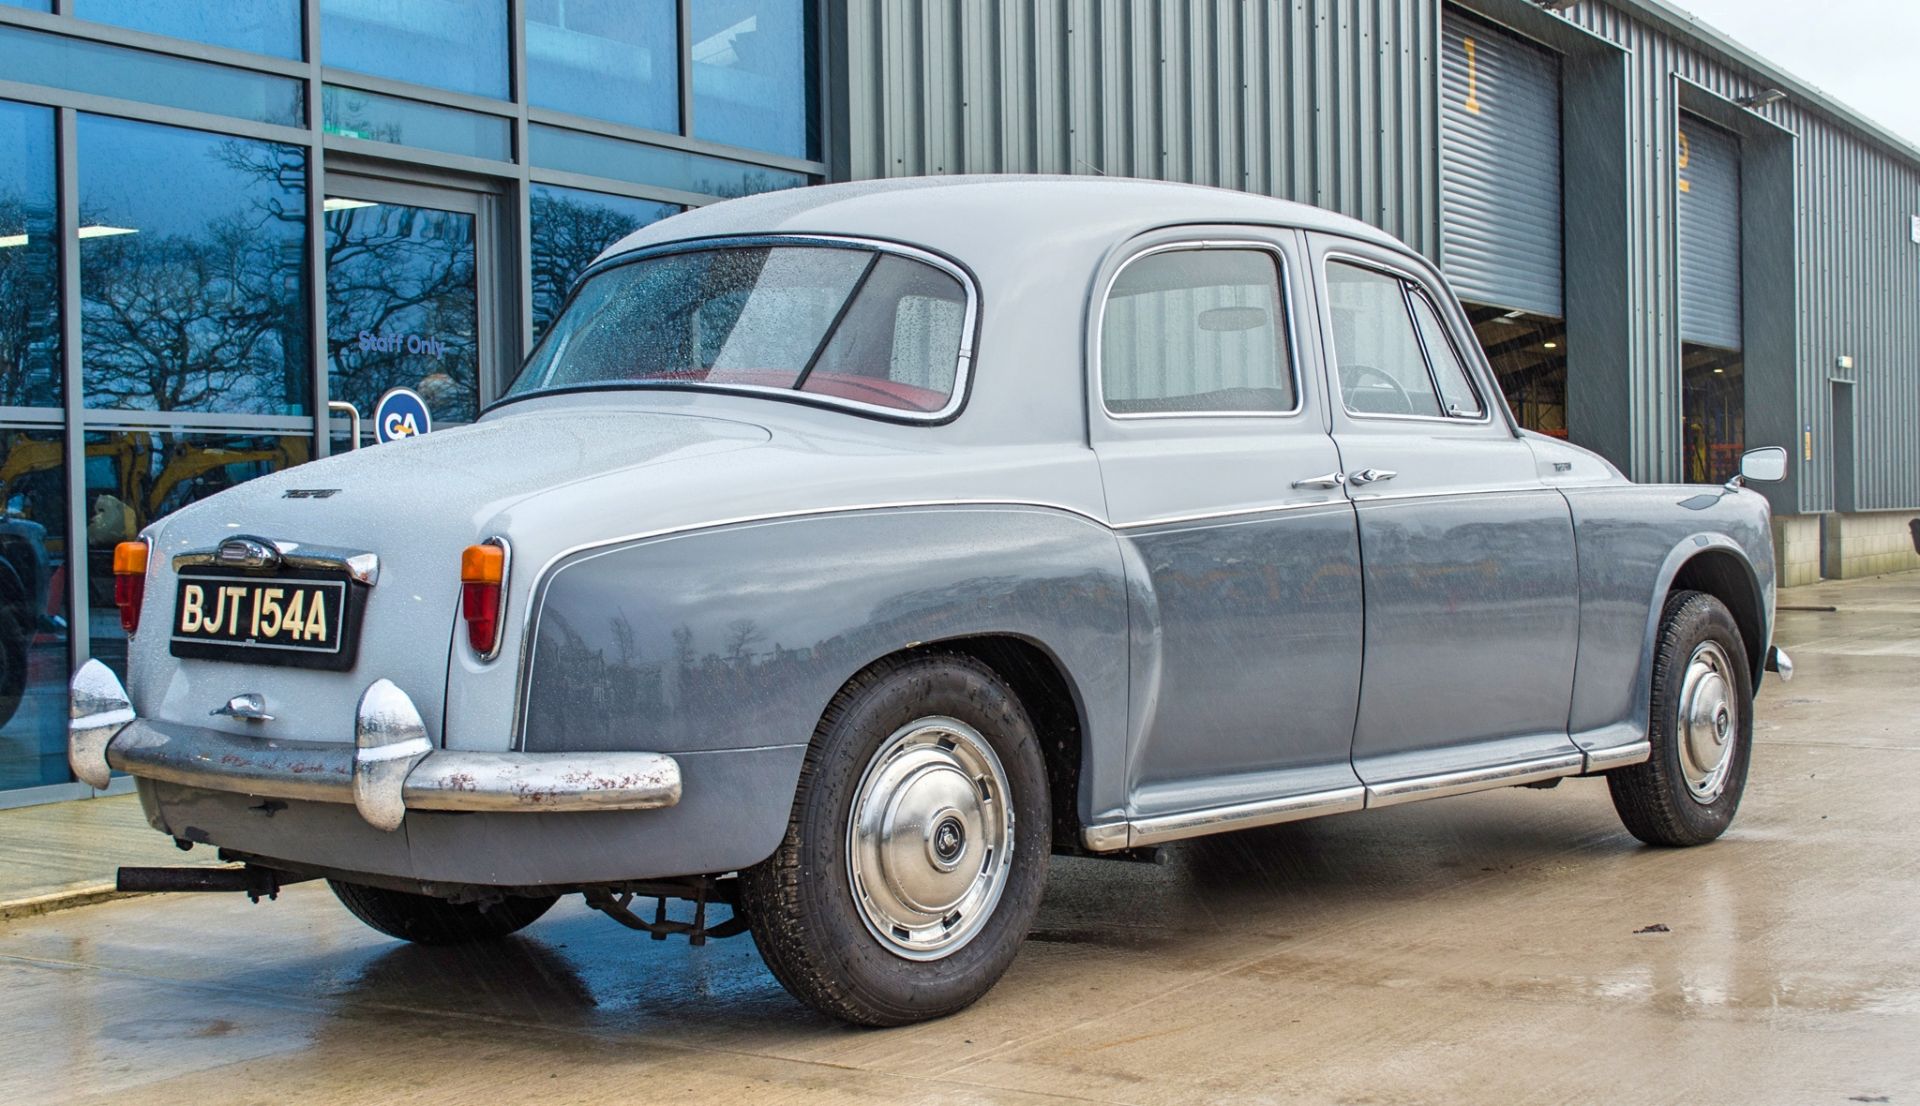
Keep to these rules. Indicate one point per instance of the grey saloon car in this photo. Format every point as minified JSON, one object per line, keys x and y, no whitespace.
{"x":841,"y":554}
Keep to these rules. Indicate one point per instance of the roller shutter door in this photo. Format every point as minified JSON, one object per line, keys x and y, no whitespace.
{"x":1709,"y":188}
{"x":1500,"y":228}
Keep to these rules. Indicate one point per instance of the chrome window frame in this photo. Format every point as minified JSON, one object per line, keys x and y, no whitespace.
{"x":1291,"y":344}
{"x":964,"y":357}
{"x":1485,"y":418}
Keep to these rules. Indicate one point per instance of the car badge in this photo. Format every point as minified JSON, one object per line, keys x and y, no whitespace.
{"x":309,"y":493}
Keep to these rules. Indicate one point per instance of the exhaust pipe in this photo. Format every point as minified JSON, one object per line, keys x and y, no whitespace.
{"x":251,"y":879}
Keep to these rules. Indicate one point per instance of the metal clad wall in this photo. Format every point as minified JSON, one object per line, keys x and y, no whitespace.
{"x":1332,"y":102}
{"x":1708,"y":179}
{"x":1500,"y":240}
{"x":1335,"y":102}
{"x":1857,"y":278}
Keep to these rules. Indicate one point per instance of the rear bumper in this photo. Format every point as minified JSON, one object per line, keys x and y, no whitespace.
{"x":390,"y":768}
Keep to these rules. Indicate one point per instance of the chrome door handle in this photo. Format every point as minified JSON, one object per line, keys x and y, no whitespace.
{"x":1330,"y":480}
{"x":1371,"y":476}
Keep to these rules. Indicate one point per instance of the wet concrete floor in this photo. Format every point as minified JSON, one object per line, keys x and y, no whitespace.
{"x":1483,"y":949}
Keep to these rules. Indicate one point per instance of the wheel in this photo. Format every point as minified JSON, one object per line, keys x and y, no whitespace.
{"x":425,"y":920}
{"x":917,"y":850}
{"x":1701,"y":729}
{"x":16,"y":634}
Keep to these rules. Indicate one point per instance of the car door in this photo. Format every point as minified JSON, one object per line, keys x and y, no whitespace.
{"x":1471,"y":582}
{"x":1223,"y":486}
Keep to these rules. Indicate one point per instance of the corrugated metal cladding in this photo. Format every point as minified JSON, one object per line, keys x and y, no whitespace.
{"x":1336,"y":102}
{"x":1500,"y":240}
{"x":1326,"y":101}
{"x":1857,"y":279}
{"x":1708,"y":179}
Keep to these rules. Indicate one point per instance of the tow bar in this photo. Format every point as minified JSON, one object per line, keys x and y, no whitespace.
{"x":255,"y":881}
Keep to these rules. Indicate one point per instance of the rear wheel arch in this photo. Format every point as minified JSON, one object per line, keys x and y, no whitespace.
{"x":1053,"y":704}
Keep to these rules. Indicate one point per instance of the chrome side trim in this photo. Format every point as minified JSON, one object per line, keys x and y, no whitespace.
{"x":1474,"y":779}
{"x":358,"y":564}
{"x":1260,"y":812}
{"x":1619,"y":756}
{"x":1104,"y":838}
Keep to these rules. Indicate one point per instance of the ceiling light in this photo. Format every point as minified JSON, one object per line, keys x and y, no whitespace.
{"x":1549,"y":345}
{"x":100,"y":230}
{"x":7,"y":240}
{"x":1762,"y":98}
{"x":1717,"y":371}
{"x":335,"y":203}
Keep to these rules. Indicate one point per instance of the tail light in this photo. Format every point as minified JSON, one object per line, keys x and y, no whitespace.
{"x":129,"y":582}
{"x":483,"y":577}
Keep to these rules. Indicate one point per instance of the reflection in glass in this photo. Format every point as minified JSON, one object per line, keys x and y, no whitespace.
{"x":599,"y":156}
{"x":259,"y":26}
{"x":33,"y":608}
{"x":29,"y":260}
{"x":35,"y":57}
{"x":354,"y":114}
{"x":136,"y":476}
{"x":402,"y":307}
{"x":570,"y":228}
{"x":610,"y":59}
{"x":753,"y":75}
{"x":454,"y":44}
{"x":192,"y":275}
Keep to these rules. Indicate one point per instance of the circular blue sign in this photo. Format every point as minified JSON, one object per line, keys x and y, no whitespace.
{"x":401,"y":413}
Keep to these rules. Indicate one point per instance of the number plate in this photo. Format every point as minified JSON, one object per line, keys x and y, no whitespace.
{"x":307,"y":621}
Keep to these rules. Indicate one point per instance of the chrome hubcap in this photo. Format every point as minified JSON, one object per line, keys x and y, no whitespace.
{"x":1709,"y":722}
{"x":930,"y":844}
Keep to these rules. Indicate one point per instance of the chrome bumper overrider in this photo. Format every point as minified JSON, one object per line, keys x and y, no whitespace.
{"x":1778,"y":661}
{"x":391,"y":768}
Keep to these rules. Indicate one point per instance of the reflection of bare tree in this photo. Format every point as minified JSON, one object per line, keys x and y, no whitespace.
{"x":213,"y":320}
{"x":567,"y":235}
{"x":394,"y":273}
{"x":29,"y":369}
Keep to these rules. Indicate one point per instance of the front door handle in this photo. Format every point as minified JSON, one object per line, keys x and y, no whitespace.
{"x":1330,"y":480}
{"x":1371,"y":476}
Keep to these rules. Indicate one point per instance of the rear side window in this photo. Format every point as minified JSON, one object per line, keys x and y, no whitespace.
{"x":1196,"y":331}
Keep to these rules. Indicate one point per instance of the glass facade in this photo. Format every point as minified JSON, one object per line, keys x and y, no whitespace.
{"x":613,"y":59}
{"x":458,"y":45}
{"x":257,"y":26}
{"x":192,"y":270}
{"x":227,"y":313}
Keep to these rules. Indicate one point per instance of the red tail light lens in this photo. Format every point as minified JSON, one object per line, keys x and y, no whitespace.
{"x":129,"y":582}
{"x":483,"y":573}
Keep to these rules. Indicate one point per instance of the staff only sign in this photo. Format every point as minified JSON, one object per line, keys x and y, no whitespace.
{"x":401,"y":413}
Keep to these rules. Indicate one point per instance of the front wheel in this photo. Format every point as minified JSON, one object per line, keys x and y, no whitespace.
{"x":917,"y":849}
{"x":1701,"y":729}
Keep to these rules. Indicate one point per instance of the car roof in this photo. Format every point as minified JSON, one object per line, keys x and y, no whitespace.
{"x":992,"y":216}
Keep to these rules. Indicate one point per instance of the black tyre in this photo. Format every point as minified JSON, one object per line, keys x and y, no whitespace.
{"x":1701,"y":729}
{"x":16,"y":634}
{"x":917,"y":850}
{"x":425,"y":920}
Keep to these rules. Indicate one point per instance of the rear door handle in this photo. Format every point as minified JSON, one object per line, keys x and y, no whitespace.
{"x":1370,"y":476}
{"x":1330,"y":480}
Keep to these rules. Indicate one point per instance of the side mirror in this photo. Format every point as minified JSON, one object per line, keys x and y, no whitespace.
{"x":1765,"y":465}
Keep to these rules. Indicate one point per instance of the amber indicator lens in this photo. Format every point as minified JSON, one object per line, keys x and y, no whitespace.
{"x":129,"y":582}
{"x":483,"y":568}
